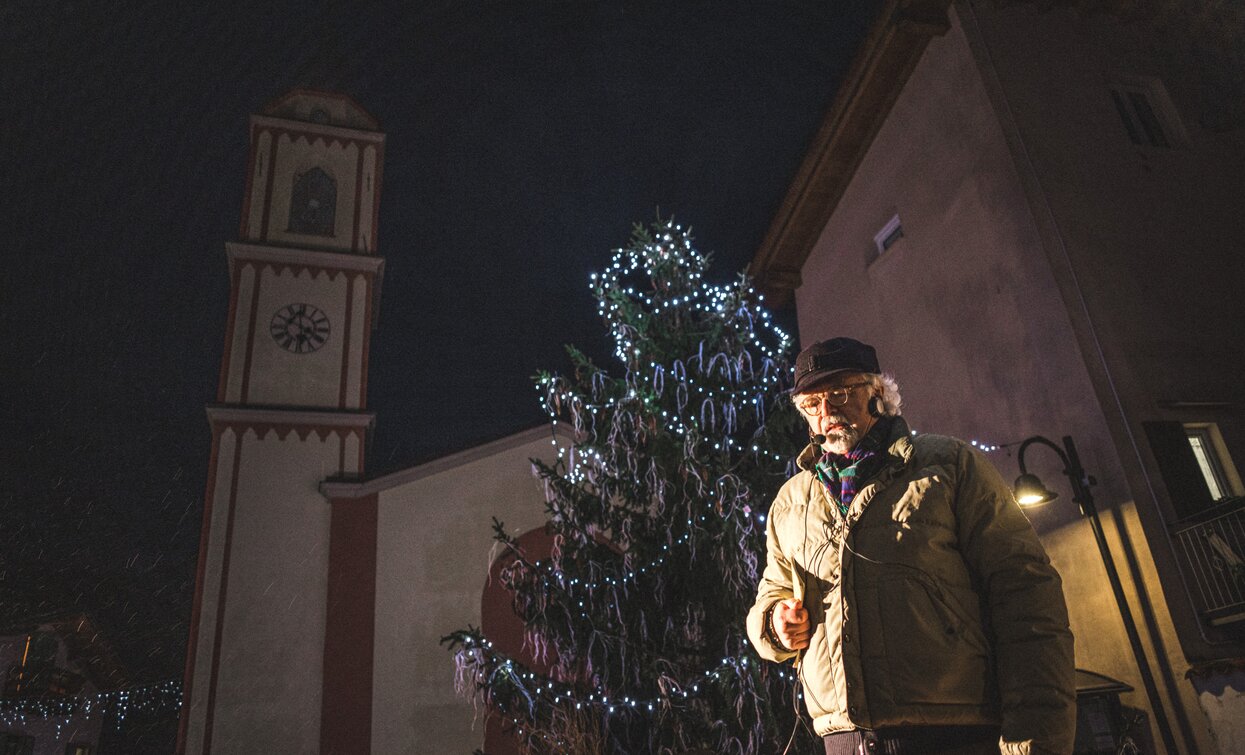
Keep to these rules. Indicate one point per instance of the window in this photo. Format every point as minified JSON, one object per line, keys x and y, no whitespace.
{"x":74,"y":748}
{"x":890,"y":235}
{"x":1148,"y":115}
{"x":1194,"y":463}
{"x":313,"y":203}
{"x":1213,"y":460}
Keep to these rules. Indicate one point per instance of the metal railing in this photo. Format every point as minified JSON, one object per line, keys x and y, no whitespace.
{"x":1213,"y":546}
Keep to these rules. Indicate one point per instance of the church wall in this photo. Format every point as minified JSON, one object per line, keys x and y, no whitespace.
{"x":270,"y":519}
{"x":300,"y":317}
{"x":238,"y":332}
{"x":340,"y":160}
{"x":262,"y":372}
{"x":279,"y":377}
{"x":966,"y":313}
{"x":225,"y":457}
{"x":368,"y":205}
{"x":434,"y":548}
{"x":359,"y":327}
{"x":257,"y":184}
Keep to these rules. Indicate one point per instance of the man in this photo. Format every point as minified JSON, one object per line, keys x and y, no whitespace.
{"x":919,"y":607}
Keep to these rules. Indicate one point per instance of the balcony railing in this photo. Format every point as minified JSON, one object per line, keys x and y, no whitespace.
{"x":1213,"y":547}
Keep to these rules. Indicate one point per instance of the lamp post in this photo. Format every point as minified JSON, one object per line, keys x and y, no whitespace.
{"x":1030,"y":491}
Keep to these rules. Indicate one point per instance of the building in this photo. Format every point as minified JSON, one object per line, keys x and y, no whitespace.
{"x":322,"y":595}
{"x":55,"y":667}
{"x":1033,"y":211}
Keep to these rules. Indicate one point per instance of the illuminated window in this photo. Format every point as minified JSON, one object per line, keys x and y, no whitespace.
{"x":1212,"y":458}
{"x":1194,"y":463}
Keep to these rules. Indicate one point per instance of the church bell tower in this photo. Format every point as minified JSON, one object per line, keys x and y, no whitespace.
{"x":290,"y":412}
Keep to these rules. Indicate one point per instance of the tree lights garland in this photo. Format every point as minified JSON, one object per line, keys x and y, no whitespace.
{"x":657,"y":508}
{"x":541,"y":686}
{"x":160,"y":696}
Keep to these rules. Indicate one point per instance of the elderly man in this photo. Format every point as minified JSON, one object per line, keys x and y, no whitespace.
{"x":919,"y":607}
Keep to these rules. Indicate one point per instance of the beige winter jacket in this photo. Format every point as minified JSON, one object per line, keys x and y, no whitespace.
{"x":933,"y":602}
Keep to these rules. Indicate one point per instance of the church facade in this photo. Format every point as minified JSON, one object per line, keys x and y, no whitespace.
{"x":321,"y":595}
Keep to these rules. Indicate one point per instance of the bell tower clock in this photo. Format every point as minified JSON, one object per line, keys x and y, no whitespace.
{"x":304,"y":272}
{"x":290,"y":412}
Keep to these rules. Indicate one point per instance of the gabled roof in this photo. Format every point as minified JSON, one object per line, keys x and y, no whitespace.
{"x":329,"y":108}
{"x":886,"y":58}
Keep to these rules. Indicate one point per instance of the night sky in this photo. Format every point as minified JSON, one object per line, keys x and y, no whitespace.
{"x":524,"y":139}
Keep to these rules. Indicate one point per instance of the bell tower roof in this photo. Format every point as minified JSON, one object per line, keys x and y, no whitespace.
{"x":328,"y":108}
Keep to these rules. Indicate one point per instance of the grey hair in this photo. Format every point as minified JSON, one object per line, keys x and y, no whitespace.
{"x":886,"y":387}
{"x":892,"y":402}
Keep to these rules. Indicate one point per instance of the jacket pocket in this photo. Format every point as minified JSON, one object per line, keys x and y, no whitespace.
{"x":932,"y":655}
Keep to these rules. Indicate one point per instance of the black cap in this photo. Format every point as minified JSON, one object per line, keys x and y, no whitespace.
{"x":825,"y":358}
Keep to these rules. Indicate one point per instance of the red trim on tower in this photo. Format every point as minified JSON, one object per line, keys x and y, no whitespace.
{"x":341,"y":388}
{"x":380,"y":163}
{"x":350,"y":628}
{"x":223,"y":384}
{"x":311,"y":133}
{"x":272,"y":166}
{"x":250,"y":336}
{"x":196,"y":610}
{"x":220,"y":603}
{"x":302,"y":430}
{"x":358,"y":198}
{"x":369,"y":318}
{"x":244,"y":224}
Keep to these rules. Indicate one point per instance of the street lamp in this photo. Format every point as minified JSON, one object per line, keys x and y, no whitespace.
{"x":1030,"y":491}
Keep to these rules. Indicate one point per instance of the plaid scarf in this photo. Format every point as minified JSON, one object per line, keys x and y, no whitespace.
{"x":845,"y":474}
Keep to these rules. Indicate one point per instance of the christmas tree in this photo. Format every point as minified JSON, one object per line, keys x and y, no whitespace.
{"x":657,"y":511}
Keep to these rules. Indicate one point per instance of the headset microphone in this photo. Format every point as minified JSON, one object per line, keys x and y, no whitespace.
{"x":819,"y":439}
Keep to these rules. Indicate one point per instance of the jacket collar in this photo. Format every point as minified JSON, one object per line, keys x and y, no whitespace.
{"x":899,"y":448}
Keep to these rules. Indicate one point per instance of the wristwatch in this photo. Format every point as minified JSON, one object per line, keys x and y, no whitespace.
{"x":771,"y":633}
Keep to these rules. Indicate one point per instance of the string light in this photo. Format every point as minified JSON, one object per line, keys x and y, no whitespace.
{"x":557,"y":692}
{"x":673,"y":445}
{"x":148,"y":698}
{"x":982,"y":446}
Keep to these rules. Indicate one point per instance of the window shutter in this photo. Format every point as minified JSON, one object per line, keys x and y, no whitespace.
{"x":1185,"y":484}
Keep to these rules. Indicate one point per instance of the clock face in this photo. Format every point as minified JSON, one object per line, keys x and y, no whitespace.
{"x":299,"y":328}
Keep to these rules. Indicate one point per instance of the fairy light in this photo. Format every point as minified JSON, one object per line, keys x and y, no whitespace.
{"x":156,"y":697}
{"x":559,"y":693}
{"x":704,"y":405}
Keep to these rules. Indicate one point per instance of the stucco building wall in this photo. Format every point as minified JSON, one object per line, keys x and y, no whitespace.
{"x":977,"y":321}
{"x":1145,"y":244}
{"x":434,"y":548}
{"x":272,"y":524}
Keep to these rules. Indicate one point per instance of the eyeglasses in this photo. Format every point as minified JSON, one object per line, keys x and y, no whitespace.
{"x":812,"y":404}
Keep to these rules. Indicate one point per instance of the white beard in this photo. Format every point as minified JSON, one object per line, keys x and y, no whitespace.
{"x":842,"y":441}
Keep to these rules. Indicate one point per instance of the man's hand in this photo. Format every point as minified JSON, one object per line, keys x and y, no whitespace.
{"x":791,"y":624}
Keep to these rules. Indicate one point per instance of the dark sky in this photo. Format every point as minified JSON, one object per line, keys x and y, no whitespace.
{"x":524,"y":139}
